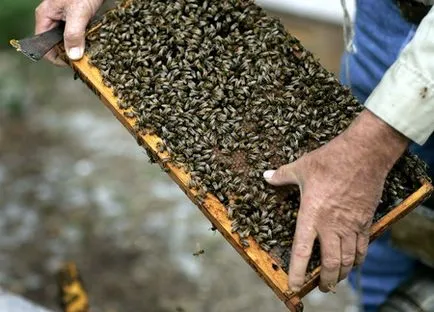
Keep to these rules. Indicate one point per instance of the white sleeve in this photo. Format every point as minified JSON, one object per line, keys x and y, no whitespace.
{"x":405,"y":96}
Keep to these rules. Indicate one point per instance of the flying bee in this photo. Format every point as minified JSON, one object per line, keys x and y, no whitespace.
{"x":198,"y":253}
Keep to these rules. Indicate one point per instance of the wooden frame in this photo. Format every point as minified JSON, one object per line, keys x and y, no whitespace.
{"x":265,"y":266}
{"x":215,"y":211}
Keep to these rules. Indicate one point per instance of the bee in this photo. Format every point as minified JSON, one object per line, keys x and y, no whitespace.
{"x":129,"y":115}
{"x":73,"y":296}
{"x":199,"y":252}
{"x":265,"y":247}
{"x":244,"y":243}
{"x":424,"y":92}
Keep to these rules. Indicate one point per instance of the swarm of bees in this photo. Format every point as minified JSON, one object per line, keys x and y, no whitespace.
{"x":231,"y":94}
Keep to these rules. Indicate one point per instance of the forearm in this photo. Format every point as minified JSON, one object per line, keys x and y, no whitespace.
{"x":378,"y":142}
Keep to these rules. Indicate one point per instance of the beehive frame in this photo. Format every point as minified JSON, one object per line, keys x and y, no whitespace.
{"x":265,"y":266}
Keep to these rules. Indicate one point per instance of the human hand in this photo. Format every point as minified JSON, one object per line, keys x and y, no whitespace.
{"x":341,"y":184}
{"x":76,"y":15}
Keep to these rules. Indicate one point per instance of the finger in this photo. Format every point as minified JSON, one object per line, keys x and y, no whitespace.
{"x":348,"y":249}
{"x":44,"y":20}
{"x":304,"y":237}
{"x":77,"y":19}
{"x":52,"y":57}
{"x":330,"y":245}
{"x":361,"y":248}
{"x":284,"y":175}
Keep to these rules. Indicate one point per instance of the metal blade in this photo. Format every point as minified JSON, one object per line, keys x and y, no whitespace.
{"x":37,"y":46}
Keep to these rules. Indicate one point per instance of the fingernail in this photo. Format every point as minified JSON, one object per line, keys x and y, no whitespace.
{"x":332,"y":288}
{"x":75,"y":53}
{"x":269,"y":174}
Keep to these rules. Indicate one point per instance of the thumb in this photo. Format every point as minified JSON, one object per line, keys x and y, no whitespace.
{"x":284,"y":175}
{"x":77,"y":19}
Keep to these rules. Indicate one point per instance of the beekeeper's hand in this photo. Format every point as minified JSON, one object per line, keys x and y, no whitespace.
{"x":341,"y":185}
{"x":76,"y":14}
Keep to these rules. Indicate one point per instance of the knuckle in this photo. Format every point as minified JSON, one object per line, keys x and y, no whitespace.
{"x":343,"y":229}
{"x":71,"y":35}
{"x":363,"y":226}
{"x":331,"y":264}
{"x":284,"y":170}
{"x":39,"y":11}
{"x":362,"y":247}
{"x":307,"y":226}
{"x":361,"y":254}
{"x":296,"y":283}
{"x":302,"y":251}
{"x":347,"y":260}
{"x":281,"y":172}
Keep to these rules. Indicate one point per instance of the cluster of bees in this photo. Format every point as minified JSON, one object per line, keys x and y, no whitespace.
{"x":231,"y":94}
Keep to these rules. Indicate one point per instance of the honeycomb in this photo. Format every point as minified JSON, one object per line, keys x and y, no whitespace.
{"x":231,"y":94}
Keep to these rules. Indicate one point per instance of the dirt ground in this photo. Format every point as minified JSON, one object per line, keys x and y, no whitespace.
{"x":75,"y":186}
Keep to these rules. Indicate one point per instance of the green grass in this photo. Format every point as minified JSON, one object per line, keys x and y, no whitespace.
{"x":16,"y":20}
{"x":12,"y":104}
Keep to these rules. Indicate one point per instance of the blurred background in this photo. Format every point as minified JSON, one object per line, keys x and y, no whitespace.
{"x":74,"y":186}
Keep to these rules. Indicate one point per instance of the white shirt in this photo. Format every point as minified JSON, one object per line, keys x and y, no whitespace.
{"x":405,"y":96}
